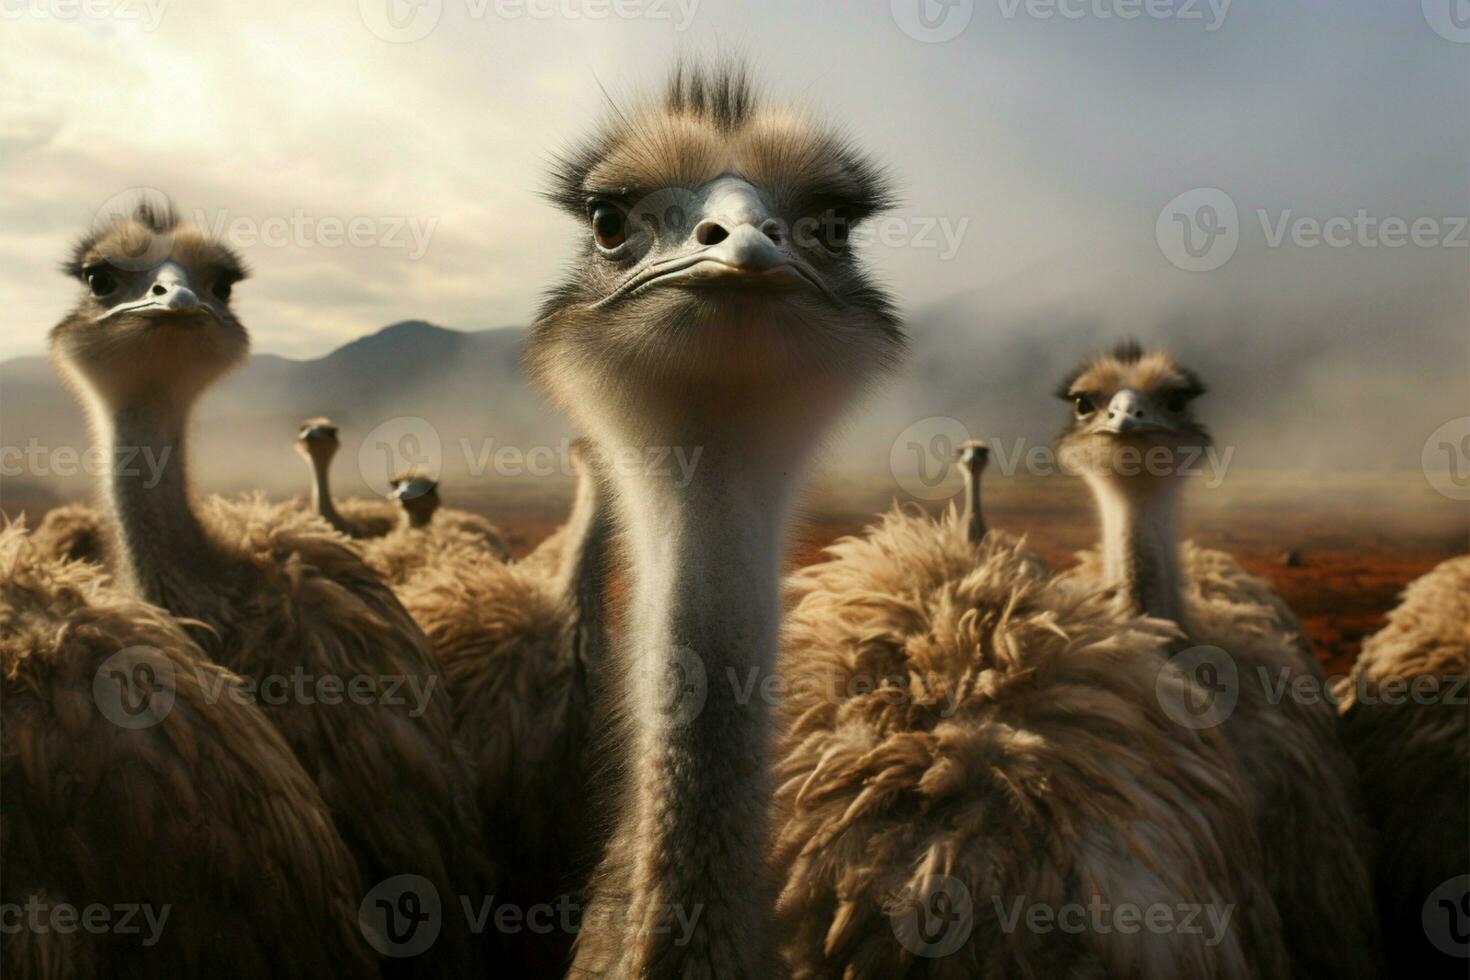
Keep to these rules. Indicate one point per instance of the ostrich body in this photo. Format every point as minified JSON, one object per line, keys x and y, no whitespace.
{"x":425,"y":535}
{"x":714,"y":305}
{"x":205,"y":808}
{"x":73,"y":532}
{"x":973,"y":456}
{"x":266,"y":593}
{"x":1133,"y":419}
{"x":1413,"y":757}
{"x":524,"y":651}
{"x":966,"y":740}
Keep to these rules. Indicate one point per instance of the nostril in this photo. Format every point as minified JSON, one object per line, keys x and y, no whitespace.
{"x":710,"y":233}
{"x":1138,"y":414}
{"x":158,"y":290}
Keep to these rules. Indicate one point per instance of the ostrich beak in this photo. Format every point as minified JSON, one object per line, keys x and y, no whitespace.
{"x":1130,"y":412}
{"x":168,"y":292}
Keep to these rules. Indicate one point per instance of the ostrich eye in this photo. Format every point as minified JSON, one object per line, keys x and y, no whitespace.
{"x":101,"y":282}
{"x":222,"y":289}
{"x":609,"y":226}
{"x":835,"y":229}
{"x":1175,"y":403}
{"x":1084,"y":405}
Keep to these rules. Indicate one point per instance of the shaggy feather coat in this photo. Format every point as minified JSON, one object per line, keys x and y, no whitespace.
{"x":1414,"y":758}
{"x":1303,"y":790}
{"x":205,"y":811}
{"x":523,"y":651}
{"x":303,"y":603}
{"x":73,"y":532}
{"x":963,"y":740}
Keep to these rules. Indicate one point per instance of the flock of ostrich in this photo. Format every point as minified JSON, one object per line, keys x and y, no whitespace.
{"x":858,"y":769}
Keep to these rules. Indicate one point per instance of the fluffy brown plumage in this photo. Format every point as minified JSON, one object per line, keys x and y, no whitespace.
{"x":266,"y":590}
{"x":73,"y":532}
{"x":952,"y":718}
{"x":524,"y":649}
{"x":1133,"y":431}
{"x":206,"y":811}
{"x":1413,"y":757}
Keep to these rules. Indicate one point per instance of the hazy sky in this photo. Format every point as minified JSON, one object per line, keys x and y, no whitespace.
{"x":1037,"y":148}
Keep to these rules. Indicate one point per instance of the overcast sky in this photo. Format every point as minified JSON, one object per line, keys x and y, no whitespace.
{"x":1038,"y":148}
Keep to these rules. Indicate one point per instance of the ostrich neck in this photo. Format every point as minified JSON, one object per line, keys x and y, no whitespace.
{"x":1140,"y":545}
{"x":582,"y":577}
{"x":164,"y":551}
{"x":704,"y":618}
{"x":321,"y":491}
{"x":974,"y":516}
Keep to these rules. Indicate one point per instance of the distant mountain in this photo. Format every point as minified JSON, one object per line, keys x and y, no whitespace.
{"x":1339,"y":392}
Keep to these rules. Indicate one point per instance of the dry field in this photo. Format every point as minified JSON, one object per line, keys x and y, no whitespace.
{"x":1357,"y":540}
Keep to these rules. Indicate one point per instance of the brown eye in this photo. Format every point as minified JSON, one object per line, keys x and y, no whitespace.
{"x":609,"y":226}
{"x":101,"y":282}
{"x":1084,"y":405}
{"x":222,"y":289}
{"x":1175,"y":403}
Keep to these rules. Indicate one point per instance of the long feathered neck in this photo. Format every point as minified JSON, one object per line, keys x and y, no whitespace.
{"x":321,"y":490}
{"x":163,"y":549}
{"x":582,"y":575}
{"x":1140,"y":547}
{"x":704,"y":621}
{"x":974,"y":517}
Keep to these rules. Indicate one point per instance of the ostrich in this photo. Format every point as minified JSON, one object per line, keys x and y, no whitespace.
{"x":714,"y":306}
{"x":74,"y":532}
{"x":342,"y":670}
{"x":425,"y":535}
{"x":1413,"y":755}
{"x":973,"y":455}
{"x":133,"y":776}
{"x":524,"y":649}
{"x":965,"y":743}
{"x":1133,"y":431}
{"x":317,"y":442}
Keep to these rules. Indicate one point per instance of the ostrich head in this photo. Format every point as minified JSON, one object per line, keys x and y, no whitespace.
{"x":715,"y":276}
{"x":1132,"y":416}
{"x":317,"y":440}
{"x":153,"y":322}
{"x":417,"y":494}
{"x":973,"y":455}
